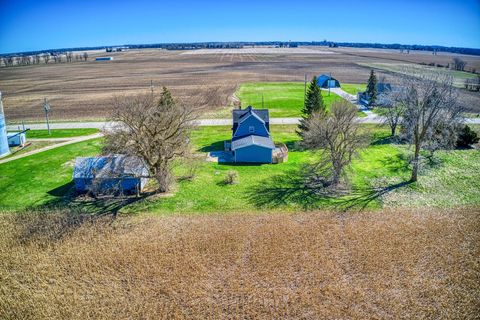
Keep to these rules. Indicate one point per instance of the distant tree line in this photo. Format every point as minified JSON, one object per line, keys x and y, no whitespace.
{"x":25,"y":60}
{"x":216,"y":45}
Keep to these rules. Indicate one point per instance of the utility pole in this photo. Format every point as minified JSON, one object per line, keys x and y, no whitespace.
{"x":47,"y":108}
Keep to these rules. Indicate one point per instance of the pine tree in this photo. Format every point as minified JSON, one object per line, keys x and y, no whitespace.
{"x":166,"y":98}
{"x":313,"y":99}
{"x":313,"y":103}
{"x":372,"y":88}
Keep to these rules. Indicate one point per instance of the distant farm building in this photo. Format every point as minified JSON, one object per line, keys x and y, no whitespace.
{"x":103,"y":58}
{"x":116,"y":49}
{"x":4,"y":149}
{"x":117,"y":174}
{"x":382,"y":88}
{"x":251,"y":141}
{"x":325,"y":81}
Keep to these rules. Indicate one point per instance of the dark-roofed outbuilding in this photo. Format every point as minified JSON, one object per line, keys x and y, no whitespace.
{"x":110,"y":175}
{"x":326,"y":81}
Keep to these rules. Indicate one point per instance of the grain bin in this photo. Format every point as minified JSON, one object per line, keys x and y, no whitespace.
{"x":4,"y":150}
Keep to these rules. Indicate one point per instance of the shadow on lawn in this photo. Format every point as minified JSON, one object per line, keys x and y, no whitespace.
{"x":66,"y":213}
{"x":308,"y":190}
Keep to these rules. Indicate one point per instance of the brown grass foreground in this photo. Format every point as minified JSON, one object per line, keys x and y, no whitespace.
{"x":378,"y":265}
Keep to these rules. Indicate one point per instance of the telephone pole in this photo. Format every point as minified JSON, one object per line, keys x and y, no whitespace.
{"x":47,"y":108}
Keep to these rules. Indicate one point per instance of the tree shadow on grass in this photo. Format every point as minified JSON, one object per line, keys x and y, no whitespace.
{"x":66,"y":212}
{"x":304,"y":188}
{"x":309,"y":190}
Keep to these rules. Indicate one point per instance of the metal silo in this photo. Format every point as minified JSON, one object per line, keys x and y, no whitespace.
{"x":4,"y":150}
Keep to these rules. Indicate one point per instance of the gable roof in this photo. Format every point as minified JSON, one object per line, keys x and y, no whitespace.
{"x":321,"y":79}
{"x":109,"y":167}
{"x":265,"y":142}
{"x":238,"y":114}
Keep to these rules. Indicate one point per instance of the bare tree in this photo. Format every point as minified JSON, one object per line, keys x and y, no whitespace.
{"x":5,"y":61}
{"x":46,"y":57}
{"x":37,"y":59}
{"x":392,"y":108}
{"x":459,"y":64}
{"x":336,"y":135}
{"x":430,"y":103}
{"x":153,"y":128}
{"x":69,"y":56}
{"x":85,"y":56}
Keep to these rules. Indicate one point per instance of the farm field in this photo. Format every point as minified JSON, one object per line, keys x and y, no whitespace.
{"x":393,"y":264}
{"x":451,"y":180}
{"x":83,"y":90}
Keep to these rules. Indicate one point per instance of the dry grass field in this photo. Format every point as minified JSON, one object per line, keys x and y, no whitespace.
{"x":82,"y":90}
{"x":395,"y":264}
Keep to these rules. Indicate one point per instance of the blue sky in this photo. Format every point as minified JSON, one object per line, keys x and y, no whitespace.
{"x":38,"y":24}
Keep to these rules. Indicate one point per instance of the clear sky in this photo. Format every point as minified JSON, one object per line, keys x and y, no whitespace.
{"x":37,"y":24}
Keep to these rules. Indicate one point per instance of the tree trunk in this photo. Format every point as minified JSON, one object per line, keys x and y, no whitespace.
{"x":394,"y":129}
{"x":415,"y":163}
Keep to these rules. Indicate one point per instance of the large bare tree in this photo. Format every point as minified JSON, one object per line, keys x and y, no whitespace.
{"x":431,"y":112}
{"x":155,"y":128}
{"x":336,"y":135}
{"x":459,"y":64}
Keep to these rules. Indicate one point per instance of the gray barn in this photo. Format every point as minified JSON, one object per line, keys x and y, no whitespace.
{"x":117,"y":174}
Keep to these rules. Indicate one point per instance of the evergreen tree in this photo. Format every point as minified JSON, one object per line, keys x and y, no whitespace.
{"x":313,"y":99}
{"x":313,"y":103}
{"x":372,"y":88}
{"x":166,"y":98}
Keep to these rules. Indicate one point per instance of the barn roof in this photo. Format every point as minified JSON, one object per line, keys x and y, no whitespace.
{"x":239,"y":114}
{"x":253,"y":140}
{"x":109,"y":167}
{"x":321,"y":79}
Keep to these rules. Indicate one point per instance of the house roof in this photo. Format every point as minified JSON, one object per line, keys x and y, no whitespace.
{"x":253,"y":140}
{"x":109,"y":167}
{"x":239,"y":114}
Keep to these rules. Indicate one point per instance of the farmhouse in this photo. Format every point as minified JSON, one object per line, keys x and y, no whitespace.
{"x":382,"y":88}
{"x":118,"y":174}
{"x":251,"y":141}
{"x":325,"y":81}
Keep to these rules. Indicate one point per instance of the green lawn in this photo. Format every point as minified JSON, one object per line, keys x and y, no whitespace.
{"x":377,"y":178}
{"x":60,"y":133}
{"x":39,"y":178}
{"x":353,"y":88}
{"x":283,"y":99}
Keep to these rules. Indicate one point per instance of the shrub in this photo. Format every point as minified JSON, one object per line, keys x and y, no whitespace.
{"x":467,"y":137}
{"x":231,"y":177}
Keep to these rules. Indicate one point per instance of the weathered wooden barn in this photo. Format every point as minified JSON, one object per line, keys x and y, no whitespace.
{"x":118,"y":174}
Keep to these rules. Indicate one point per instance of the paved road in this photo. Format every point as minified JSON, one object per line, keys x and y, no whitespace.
{"x":370,"y":118}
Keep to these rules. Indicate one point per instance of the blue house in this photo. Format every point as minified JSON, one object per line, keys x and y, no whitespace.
{"x":251,"y":140}
{"x":325,"y":81}
{"x":118,"y":174}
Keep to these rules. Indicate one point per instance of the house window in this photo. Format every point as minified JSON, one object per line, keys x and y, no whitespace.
{"x":251,"y":129}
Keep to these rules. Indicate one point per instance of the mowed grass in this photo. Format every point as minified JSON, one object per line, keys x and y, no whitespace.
{"x":37,"y":179}
{"x":394,"y":264}
{"x":283,"y":99}
{"x":60,"y":133}
{"x":353,"y":88}
{"x":377,"y":177}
